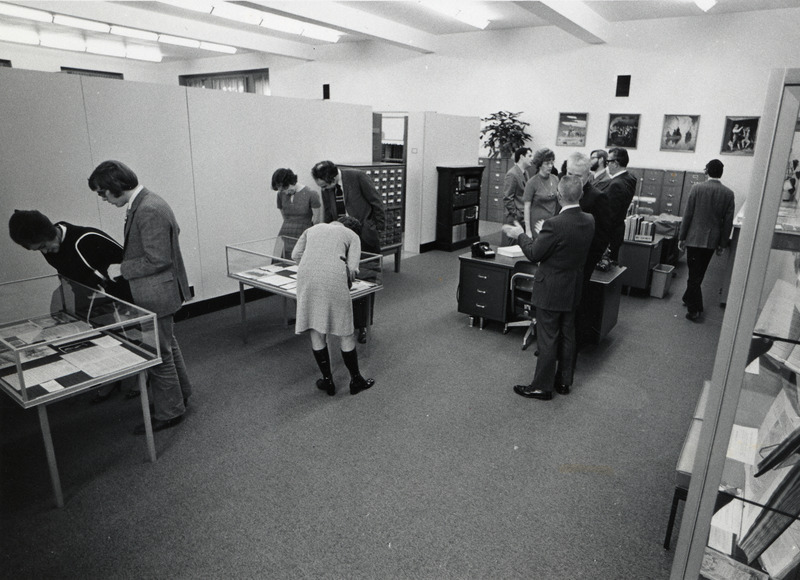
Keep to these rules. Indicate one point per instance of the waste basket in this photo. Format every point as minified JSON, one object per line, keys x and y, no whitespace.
{"x":662,"y":276}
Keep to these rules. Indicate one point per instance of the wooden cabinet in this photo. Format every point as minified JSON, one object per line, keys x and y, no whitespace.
{"x":458,"y":206}
{"x":639,"y":258}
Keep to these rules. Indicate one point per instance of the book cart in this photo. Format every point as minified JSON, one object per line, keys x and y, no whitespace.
{"x":742,"y":513}
{"x":267,"y":265}
{"x":59,"y":339}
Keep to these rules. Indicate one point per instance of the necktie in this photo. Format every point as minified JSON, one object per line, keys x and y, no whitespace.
{"x":339,"y":194}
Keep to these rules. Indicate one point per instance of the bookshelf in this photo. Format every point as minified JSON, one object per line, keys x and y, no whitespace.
{"x":458,"y":206}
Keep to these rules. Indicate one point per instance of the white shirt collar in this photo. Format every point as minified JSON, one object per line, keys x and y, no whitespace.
{"x":570,"y":206}
{"x":136,"y":190}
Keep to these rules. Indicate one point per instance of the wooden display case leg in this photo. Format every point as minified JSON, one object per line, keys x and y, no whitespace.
{"x":148,"y":426}
{"x":243,"y":312}
{"x":51,"y":455}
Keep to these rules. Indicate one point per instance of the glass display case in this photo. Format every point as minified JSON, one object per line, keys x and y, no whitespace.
{"x":58,"y":338}
{"x":742,"y":516}
{"x":267,"y":264}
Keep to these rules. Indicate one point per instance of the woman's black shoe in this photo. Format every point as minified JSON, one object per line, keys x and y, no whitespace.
{"x":327,"y":386}
{"x":359,"y":384}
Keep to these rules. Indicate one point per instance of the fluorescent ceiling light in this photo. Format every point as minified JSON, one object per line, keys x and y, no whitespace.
{"x":705,"y":5}
{"x":178,"y":41}
{"x":139,"y":52}
{"x":195,"y":5}
{"x":134,"y":33}
{"x":22,"y":12}
{"x":62,"y":41}
{"x":104,"y":46}
{"x":237,"y":13}
{"x":80,"y":23}
{"x":18,"y":34}
{"x":321,"y":33}
{"x":455,"y":10}
{"x":217,"y":47}
{"x":281,"y":23}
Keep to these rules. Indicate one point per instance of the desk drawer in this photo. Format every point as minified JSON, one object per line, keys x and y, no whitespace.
{"x":483,"y":291}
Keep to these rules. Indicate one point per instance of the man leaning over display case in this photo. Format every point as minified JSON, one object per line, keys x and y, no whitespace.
{"x":153,"y":264}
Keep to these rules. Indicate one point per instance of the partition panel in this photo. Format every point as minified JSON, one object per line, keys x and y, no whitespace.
{"x":238,"y":141}
{"x":44,"y":158}
{"x":146,"y":127}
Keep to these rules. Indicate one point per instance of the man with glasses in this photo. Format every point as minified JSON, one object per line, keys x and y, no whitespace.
{"x":153,"y":264}
{"x":620,"y":191}
{"x":705,"y":229}
{"x":600,"y":176}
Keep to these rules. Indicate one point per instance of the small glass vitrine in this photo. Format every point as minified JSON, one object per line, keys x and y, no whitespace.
{"x":267,"y":264}
{"x":58,"y":338}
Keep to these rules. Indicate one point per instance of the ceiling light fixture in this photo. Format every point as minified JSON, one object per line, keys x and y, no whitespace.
{"x":178,"y":41}
{"x":80,"y":23}
{"x":134,"y":33}
{"x":454,"y":10}
{"x":705,"y":5}
{"x":27,"y":13}
{"x":237,"y":13}
{"x":139,"y":52}
{"x":217,"y":47}
{"x":18,"y":34}
{"x":62,"y":41}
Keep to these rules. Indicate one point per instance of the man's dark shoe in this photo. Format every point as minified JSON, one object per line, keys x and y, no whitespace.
{"x":562,"y":389}
{"x":529,"y":393}
{"x":362,"y":335}
{"x":158,"y":425}
{"x":694,"y":316}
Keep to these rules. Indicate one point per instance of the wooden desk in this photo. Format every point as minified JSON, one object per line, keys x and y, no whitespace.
{"x":484,"y":288}
{"x":639,"y":258}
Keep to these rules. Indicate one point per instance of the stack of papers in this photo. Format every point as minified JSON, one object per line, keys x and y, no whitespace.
{"x":511,"y":251}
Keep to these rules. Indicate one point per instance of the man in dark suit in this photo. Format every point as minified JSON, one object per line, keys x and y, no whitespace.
{"x":706,"y":228}
{"x":352,"y":192}
{"x":560,"y":248}
{"x":513,"y":189}
{"x":620,"y":189}
{"x":594,"y":202}
{"x":600,"y":176}
{"x":153,"y":264}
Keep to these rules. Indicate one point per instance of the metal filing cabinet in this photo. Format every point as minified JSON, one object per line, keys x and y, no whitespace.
{"x":671,"y":192}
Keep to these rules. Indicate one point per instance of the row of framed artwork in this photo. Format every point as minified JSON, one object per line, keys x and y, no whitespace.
{"x":678,"y":134}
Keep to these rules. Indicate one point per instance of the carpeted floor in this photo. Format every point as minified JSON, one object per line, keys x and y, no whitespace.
{"x":439,"y":471}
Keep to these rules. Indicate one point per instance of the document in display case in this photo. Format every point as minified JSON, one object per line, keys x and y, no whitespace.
{"x":264,"y":264}
{"x":59,"y":338}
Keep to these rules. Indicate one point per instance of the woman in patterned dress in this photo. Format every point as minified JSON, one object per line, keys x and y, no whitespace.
{"x":327,"y":255}
{"x":300,"y":208}
{"x":539,"y":200}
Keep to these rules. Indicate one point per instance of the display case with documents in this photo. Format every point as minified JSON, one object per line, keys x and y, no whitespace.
{"x":748,"y":452}
{"x":58,"y":338}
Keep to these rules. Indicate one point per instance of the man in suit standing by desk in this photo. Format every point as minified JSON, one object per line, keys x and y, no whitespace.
{"x":706,"y":228}
{"x":599,"y":176}
{"x":513,"y":189}
{"x":620,"y":190}
{"x":560,"y":248}
{"x":352,"y":192}
{"x":153,"y":264}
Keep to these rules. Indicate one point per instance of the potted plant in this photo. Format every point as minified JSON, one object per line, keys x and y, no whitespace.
{"x":504,"y":133}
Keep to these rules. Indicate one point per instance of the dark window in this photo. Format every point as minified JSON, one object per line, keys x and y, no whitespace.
{"x":6,"y":63}
{"x":91,"y":73}
{"x":242,"y":81}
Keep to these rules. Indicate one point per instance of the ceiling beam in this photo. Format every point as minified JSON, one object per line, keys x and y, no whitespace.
{"x":341,"y":17}
{"x":134,"y":17}
{"x":574,"y":18}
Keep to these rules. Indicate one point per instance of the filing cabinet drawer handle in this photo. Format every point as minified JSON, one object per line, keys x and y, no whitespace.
{"x":482,"y":277}
{"x":481,"y":291}
{"x":480,"y":305}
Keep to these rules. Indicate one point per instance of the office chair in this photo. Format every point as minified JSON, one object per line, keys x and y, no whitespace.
{"x":521,"y":297}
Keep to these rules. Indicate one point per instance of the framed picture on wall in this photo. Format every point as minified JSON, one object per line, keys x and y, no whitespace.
{"x":739,"y":137}
{"x":571,"y":129}
{"x":679,"y":132}
{"x":623,"y":131}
